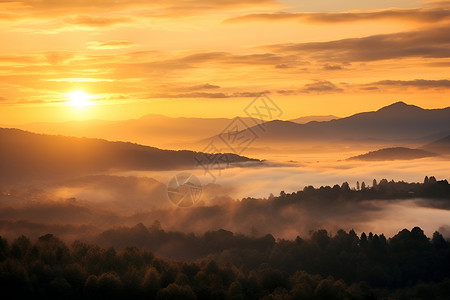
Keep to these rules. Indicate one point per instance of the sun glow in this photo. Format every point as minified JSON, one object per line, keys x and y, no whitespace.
{"x":80,"y":99}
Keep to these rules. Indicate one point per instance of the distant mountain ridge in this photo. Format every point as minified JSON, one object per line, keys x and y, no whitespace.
{"x":151,"y":129}
{"x":393,"y":123}
{"x":307,"y":119}
{"x":441,"y":146}
{"x":25,"y":155}
{"x":395,"y":153}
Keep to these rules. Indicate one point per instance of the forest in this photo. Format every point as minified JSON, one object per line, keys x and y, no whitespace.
{"x":408,"y":265}
{"x":151,"y":262}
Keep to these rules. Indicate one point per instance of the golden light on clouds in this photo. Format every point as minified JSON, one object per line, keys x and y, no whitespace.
{"x":209,"y":58}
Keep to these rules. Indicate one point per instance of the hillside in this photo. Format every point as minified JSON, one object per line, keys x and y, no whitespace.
{"x":27,"y":155}
{"x":441,"y":146}
{"x":397,"y":153}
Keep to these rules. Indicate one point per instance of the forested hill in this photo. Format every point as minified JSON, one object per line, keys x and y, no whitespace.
{"x":25,"y":155}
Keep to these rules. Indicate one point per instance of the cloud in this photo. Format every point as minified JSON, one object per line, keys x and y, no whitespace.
{"x":210,"y":95}
{"x":19,"y":59}
{"x":198,"y":87}
{"x":415,"y":15}
{"x":329,"y":67}
{"x":59,"y":57}
{"x":206,"y":86}
{"x":370,"y":88}
{"x":90,"y":21}
{"x":318,"y":87}
{"x":249,"y":94}
{"x":158,"y":8}
{"x":287,"y":92}
{"x":8,"y":16}
{"x":113,"y":44}
{"x":321,"y":86}
{"x":417,"y":83}
{"x":100,"y":4}
{"x":428,"y":43}
{"x":195,"y":95}
{"x":282,"y":66}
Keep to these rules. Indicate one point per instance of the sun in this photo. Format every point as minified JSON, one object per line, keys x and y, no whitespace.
{"x":80,"y":99}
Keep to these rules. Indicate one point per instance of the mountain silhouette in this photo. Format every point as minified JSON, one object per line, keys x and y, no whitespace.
{"x":395,"y":153}
{"x":27,"y":155}
{"x":393,"y":123}
{"x":151,"y":129}
{"x":441,"y":146}
{"x":307,"y":119}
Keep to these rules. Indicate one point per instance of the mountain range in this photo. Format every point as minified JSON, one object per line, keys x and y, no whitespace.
{"x":152,"y":129}
{"x":393,"y":124}
{"x":396,"y":123}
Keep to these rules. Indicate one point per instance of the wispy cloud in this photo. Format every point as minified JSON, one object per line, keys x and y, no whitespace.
{"x":414,"y":15}
{"x":113,"y":44}
{"x":97,"y":21}
{"x":316,"y":87}
{"x":427,"y":43}
{"x":158,"y":8}
{"x":218,"y":95}
{"x":417,"y":83}
{"x":321,"y":86}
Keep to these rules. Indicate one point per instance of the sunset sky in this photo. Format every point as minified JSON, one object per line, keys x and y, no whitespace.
{"x":211,"y":58}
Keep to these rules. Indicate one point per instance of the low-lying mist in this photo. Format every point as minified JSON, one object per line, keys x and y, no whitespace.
{"x":83,"y":208}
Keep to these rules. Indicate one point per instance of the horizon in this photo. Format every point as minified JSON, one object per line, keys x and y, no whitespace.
{"x":239,"y":116}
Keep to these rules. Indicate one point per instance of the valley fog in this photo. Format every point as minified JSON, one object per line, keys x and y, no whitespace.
{"x":292,"y":172}
{"x":85,"y":207}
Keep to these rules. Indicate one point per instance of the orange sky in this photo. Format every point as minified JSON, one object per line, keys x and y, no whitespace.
{"x":211,"y":58}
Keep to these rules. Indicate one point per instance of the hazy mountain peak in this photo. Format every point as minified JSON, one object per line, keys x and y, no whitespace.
{"x":153,"y":116}
{"x":316,"y":118}
{"x":399,"y":106}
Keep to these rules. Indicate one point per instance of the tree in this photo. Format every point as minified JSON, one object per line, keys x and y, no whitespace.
{"x":363,"y":242}
{"x":90,"y":287}
{"x":235,"y":291}
{"x":271,"y":279}
{"x":363,"y":186}
{"x":384,"y":181}
{"x":3,"y":248}
{"x":345,"y":187}
{"x":438,"y":241}
{"x":150,"y":283}
{"x":109,"y":285}
{"x":20,"y":247}
{"x":52,"y":250}
{"x":175,"y":292}
{"x":59,"y":288}
{"x":374,"y":183}
{"x":357,"y":186}
{"x":321,"y":237}
{"x":426,"y":180}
